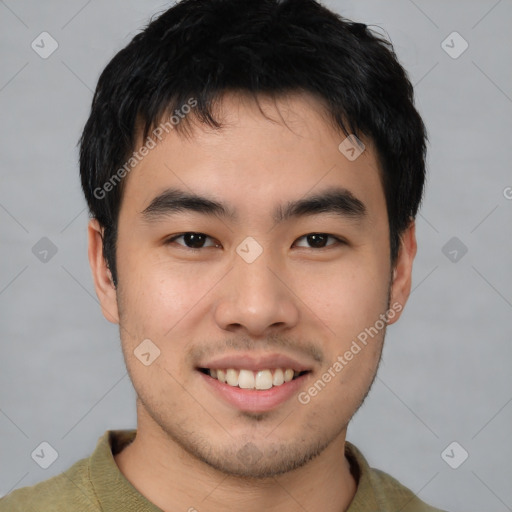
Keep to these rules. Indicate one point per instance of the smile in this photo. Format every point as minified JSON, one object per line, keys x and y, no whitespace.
{"x":248,"y":379}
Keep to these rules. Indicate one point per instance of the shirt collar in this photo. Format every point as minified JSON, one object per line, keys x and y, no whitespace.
{"x":113,"y":490}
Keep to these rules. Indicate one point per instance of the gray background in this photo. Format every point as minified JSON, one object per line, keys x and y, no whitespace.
{"x":445,"y":374}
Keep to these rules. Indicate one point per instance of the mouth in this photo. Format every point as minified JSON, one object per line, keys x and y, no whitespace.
{"x":254,"y":382}
{"x":261,"y":380}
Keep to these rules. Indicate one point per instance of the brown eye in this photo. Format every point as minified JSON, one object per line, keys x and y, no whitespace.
{"x":193,"y":240}
{"x":318,"y":240}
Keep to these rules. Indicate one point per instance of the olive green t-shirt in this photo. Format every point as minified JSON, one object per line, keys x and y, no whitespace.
{"x":95,"y":484}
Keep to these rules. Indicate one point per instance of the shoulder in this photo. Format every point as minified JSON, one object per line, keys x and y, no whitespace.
{"x":56,"y":493}
{"x":395,"y":493}
{"x":379,"y":489}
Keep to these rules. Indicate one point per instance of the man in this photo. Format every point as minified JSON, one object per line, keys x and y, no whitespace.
{"x":253,"y":170}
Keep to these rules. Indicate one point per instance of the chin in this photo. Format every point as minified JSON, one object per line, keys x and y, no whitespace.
{"x":254,"y":461}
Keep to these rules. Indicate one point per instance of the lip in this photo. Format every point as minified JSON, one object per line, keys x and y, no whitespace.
{"x":255,"y":362}
{"x":252,"y":400}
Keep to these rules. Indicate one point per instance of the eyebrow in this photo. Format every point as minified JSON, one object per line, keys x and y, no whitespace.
{"x":338,"y":201}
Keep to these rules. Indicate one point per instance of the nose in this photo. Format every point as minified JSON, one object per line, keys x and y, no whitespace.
{"x":255,"y":297}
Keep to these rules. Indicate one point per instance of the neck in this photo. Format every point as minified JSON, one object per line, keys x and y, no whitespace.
{"x":172,"y":479}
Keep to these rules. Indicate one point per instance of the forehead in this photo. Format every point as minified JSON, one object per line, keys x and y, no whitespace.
{"x":264,"y":151}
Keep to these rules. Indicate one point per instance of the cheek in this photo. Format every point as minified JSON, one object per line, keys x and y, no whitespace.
{"x":158,"y":297}
{"x":346,"y":297}
{"x":349,"y":305}
{"x":156,"y":305}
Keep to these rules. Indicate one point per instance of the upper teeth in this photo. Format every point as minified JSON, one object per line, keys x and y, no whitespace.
{"x":247,"y":379}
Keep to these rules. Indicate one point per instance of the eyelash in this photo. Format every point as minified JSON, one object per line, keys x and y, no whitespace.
{"x":169,"y":241}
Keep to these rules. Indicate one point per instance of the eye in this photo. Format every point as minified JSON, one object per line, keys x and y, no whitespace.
{"x":193,"y":240}
{"x":318,"y":240}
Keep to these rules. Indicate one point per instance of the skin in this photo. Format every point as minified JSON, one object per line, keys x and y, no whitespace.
{"x":294,"y":299}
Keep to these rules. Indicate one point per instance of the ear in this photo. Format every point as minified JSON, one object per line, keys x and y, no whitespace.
{"x":105,"y":289}
{"x":402,"y":272}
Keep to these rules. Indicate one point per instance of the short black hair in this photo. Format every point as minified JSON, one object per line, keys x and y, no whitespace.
{"x":199,"y":50}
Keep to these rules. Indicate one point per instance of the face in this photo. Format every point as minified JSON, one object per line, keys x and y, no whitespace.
{"x":278,"y":268}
